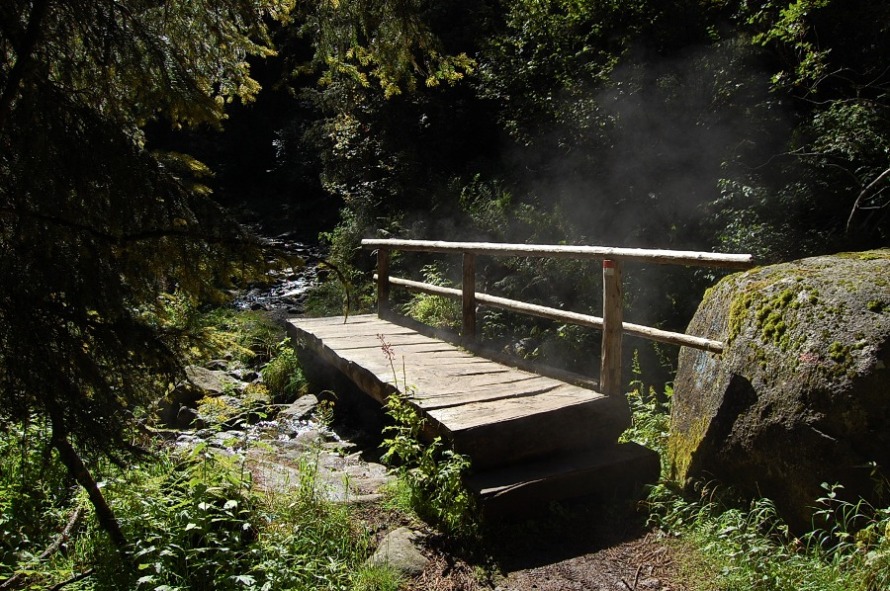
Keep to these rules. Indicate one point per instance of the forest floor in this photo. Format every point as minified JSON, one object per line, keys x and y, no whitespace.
{"x":617,"y":554}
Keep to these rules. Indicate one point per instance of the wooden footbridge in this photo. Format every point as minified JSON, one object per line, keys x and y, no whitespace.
{"x":530,"y":437}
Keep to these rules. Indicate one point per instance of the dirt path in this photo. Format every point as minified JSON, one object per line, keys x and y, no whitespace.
{"x":578,"y":559}
{"x":642,"y":564}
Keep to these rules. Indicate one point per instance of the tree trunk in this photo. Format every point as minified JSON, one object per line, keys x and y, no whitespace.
{"x":78,"y":470}
{"x":23,"y":58}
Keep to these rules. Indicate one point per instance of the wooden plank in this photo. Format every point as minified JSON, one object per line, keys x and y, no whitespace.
{"x":468,"y":297}
{"x":383,"y":259}
{"x":508,"y":431}
{"x":613,"y":312}
{"x":494,"y":413}
{"x":619,"y":470}
{"x":462,"y":398}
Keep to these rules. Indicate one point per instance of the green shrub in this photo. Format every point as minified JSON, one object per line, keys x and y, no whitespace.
{"x":282,"y":375}
{"x":430,"y":473}
{"x":434,"y":310}
{"x":333,"y":298}
{"x":253,"y":337}
{"x":731,"y":545}
{"x":650,"y":414}
{"x":36,"y":496}
{"x":198,"y":523}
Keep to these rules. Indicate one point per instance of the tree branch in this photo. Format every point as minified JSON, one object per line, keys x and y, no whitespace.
{"x":51,"y":549}
{"x":862,"y":195}
{"x":81,"y":474}
{"x":23,"y":59}
{"x":123,"y":239}
{"x":74,"y":579}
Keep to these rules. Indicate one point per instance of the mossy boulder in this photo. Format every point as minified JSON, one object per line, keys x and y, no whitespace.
{"x":801,"y":394}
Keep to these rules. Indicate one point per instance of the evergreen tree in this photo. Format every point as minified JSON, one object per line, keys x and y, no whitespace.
{"x":97,"y":230}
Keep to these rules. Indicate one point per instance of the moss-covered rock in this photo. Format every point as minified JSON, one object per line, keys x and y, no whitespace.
{"x":801,"y":395}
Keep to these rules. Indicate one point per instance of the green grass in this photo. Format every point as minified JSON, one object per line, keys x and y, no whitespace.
{"x":195,"y":521}
{"x":725,"y":543}
{"x":193,"y":517}
{"x":283,"y":376}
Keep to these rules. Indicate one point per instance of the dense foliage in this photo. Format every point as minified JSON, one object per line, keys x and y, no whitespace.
{"x":756,"y":127}
{"x":96,"y":224}
{"x":768,"y":114}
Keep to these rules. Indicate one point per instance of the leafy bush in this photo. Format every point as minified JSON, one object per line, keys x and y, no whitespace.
{"x":252,"y":336}
{"x":853,"y":536}
{"x":431,"y":473}
{"x":650,"y":413}
{"x":434,"y":310}
{"x":730,"y":546}
{"x":36,"y":496}
{"x":197,"y":522}
{"x":282,"y":375}
{"x":330,"y":298}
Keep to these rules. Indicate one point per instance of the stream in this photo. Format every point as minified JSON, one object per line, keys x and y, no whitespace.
{"x":288,"y":289}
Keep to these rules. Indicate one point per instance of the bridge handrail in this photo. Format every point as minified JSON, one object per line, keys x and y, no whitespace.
{"x":641,"y":255}
{"x":611,"y":323}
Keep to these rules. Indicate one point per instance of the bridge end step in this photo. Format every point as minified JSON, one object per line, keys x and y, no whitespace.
{"x":616,"y":472}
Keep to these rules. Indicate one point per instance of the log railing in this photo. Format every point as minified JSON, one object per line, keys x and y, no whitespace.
{"x":611,"y":323}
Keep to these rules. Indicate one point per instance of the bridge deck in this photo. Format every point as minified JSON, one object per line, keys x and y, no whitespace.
{"x":500,"y":416}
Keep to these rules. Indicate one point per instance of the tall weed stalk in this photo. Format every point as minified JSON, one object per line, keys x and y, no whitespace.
{"x":431,"y":473}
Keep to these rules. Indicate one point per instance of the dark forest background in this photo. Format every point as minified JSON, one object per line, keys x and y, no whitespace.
{"x":755,"y":127}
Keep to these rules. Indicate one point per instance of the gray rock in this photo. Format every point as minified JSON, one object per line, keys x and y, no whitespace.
{"x":226,"y":439}
{"x":208,"y":381}
{"x":399,"y":549}
{"x":244,"y":375}
{"x":217,"y":365}
{"x":301,"y":408}
{"x":800,"y":395}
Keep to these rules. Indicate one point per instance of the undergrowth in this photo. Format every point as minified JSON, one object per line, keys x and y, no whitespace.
{"x":434,"y":310}
{"x":192,"y":515}
{"x":283,"y":376}
{"x":726,"y":543}
{"x":430,"y":473}
{"x":195,"y":522}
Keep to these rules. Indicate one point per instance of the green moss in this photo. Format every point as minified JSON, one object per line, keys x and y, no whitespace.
{"x":844,"y":359}
{"x":838,"y":352}
{"x":775,"y":305}
{"x":785,"y":297}
{"x":770,"y":313}
{"x":738,"y":311}
{"x":877,"y":306}
{"x":774,"y":320}
{"x":870,"y":255}
{"x":681,"y":446}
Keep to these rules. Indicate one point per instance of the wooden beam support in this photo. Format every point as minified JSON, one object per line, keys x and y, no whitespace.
{"x":383,"y":258}
{"x":468,"y":299}
{"x":613,"y":312}
{"x":637,"y":330}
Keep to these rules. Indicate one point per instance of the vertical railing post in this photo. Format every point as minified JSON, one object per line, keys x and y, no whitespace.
{"x":613,"y":317}
{"x":383,"y":283}
{"x":468,"y":299}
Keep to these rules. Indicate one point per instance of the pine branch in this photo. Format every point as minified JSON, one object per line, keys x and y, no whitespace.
{"x":23,"y":59}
